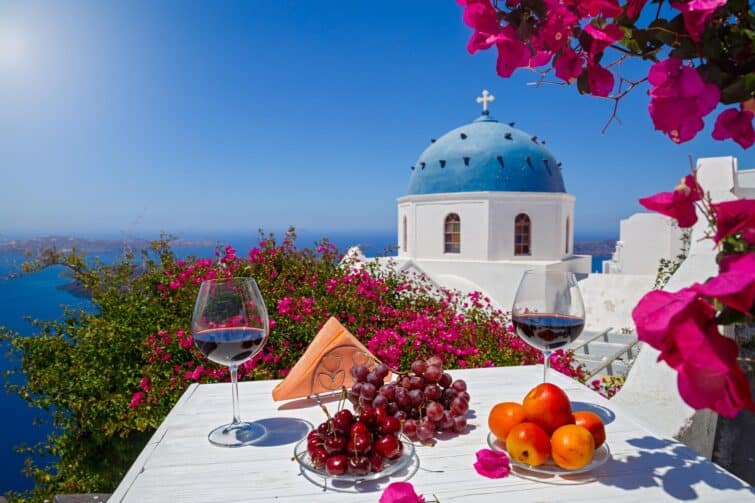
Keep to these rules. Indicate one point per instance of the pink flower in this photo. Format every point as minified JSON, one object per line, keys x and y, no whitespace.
{"x":600,"y":80}
{"x":482,"y":17}
{"x":145,"y":384}
{"x":679,"y":204}
{"x":558,"y":27}
{"x":737,"y":125}
{"x":734,"y":217}
{"x":400,"y":492}
{"x":679,"y":99}
{"x":599,"y":39}
{"x":735,"y":284}
{"x":512,"y":53}
{"x":634,"y":7}
{"x":683,"y":328}
{"x":696,"y":14}
{"x":592,"y":8}
{"x":136,"y":400}
{"x":492,"y":464}
{"x":175,"y":284}
{"x":569,"y":65}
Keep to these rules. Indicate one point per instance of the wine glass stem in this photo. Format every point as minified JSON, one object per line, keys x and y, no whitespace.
{"x":235,"y":393}
{"x":546,"y":364}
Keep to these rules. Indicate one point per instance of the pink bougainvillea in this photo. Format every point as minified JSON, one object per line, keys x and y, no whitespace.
{"x":683,"y":325}
{"x":398,"y":316}
{"x":692,"y":64}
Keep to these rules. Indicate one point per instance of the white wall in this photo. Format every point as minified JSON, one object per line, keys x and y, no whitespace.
{"x":487,"y":225}
{"x":500,"y":279}
{"x":644,"y":239}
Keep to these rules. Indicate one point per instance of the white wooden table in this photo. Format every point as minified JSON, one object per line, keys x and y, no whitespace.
{"x":179,"y":464}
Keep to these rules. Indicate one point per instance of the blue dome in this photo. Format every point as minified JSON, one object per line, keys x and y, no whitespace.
{"x":486,"y":156}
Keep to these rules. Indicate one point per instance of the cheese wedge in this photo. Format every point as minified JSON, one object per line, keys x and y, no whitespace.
{"x":326,"y":364}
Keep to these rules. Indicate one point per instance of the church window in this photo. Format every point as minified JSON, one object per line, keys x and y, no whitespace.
{"x":522,"y":235}
{"x":566,"y":250}
{"x":452,"y":234}
{"x":404,"y":236}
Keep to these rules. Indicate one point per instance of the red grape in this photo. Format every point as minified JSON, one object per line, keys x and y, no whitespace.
{"x":459,"y":386}
{"x":433,"y":374}
{"x":434,"y":411}
{"x":419,"y":366}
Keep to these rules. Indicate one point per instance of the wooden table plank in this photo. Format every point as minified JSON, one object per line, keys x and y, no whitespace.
{"x":179,"y":464}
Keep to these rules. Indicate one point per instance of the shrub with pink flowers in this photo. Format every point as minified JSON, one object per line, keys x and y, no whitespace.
{"x":694,"y":54}
{"x":126,"y":364}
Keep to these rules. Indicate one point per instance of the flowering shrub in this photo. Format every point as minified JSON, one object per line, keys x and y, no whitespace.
{"x":126,"y":364}
{"x":700,"y":54}
{"x":607,"y":386}
{"x":683,"y":325}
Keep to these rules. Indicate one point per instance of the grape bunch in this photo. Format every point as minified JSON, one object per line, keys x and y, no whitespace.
{"x":355,"y":443}
{"x":425,"y":400}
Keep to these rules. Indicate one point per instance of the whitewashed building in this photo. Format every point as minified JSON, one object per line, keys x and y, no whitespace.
{"x":486,"y":202}
{"x":646,"y":238}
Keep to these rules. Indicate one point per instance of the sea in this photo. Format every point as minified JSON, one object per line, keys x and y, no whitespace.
{"x":37,"y":296}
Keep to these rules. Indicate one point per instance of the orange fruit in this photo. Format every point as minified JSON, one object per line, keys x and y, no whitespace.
{"x":594,"y":425}
{"x":548,"y":406}
{"x":528,"y":444}
{"x":503,"y":417}
{"x":572,"y":447}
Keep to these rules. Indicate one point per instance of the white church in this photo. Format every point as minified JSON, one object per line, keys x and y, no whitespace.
{"x":486,"y":202}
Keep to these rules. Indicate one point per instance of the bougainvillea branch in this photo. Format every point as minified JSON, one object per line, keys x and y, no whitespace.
{"x":699,"y":54}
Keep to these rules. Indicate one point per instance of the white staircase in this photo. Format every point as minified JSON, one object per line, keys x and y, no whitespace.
{"x":606,"y":352}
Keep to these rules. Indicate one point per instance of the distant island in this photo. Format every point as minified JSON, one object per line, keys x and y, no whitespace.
{"x":68,"y":243}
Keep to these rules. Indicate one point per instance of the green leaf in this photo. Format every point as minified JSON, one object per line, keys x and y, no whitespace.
{"x":712,"y":74}
{"x":735,"y":92}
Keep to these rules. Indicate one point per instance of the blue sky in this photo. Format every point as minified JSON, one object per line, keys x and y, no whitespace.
{"x":192,"y":117}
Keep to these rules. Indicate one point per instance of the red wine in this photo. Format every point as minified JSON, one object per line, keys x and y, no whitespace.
{"x":546,"y":331}
{"x":230,"y":346}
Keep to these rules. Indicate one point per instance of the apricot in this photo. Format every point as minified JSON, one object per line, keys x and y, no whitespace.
{"x":594,"y":425}
{"x":572,"y":447}
{"x":503,"y":417}
{"x":548,"y":406}
{"x":527,"y":443}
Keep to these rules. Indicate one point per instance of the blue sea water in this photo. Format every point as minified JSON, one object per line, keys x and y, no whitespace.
{"x":37,"y":296}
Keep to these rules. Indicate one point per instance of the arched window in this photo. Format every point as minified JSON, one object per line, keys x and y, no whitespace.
{"x":566,"y":248}
{"x":522,"y":235}
{"x":452,"y":234}
{"x":404,"y":234}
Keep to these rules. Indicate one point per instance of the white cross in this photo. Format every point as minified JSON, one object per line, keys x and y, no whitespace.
{"x":485,"y":99}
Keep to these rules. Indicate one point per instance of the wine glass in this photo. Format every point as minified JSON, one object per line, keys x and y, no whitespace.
{"x":229,"y":327}
{"x":548,"y":311}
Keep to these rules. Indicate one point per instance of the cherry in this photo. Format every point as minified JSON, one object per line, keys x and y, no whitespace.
{"x":358,"y":427}
{"x":337,"y":464}
{"x":323,"y":428}
{"x":314,"y":434}
{"x":376,"y":462}
{"x":343,"y":419}
{"x":319,"y":457}
{"x":388,"y":446}
{"x":360,"y":443}
{"x":367,"y":415}
{"x":390,"y":425}
{"x":313,"y":443}
{"x":335,"y":444}
{"x":359,"y":465}
{"x":380,"y":414}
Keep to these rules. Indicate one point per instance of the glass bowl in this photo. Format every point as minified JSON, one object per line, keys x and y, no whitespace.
{"x":389,"y":467}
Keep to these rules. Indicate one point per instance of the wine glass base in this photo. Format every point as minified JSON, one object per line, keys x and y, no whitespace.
{"x":237,"y":434}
